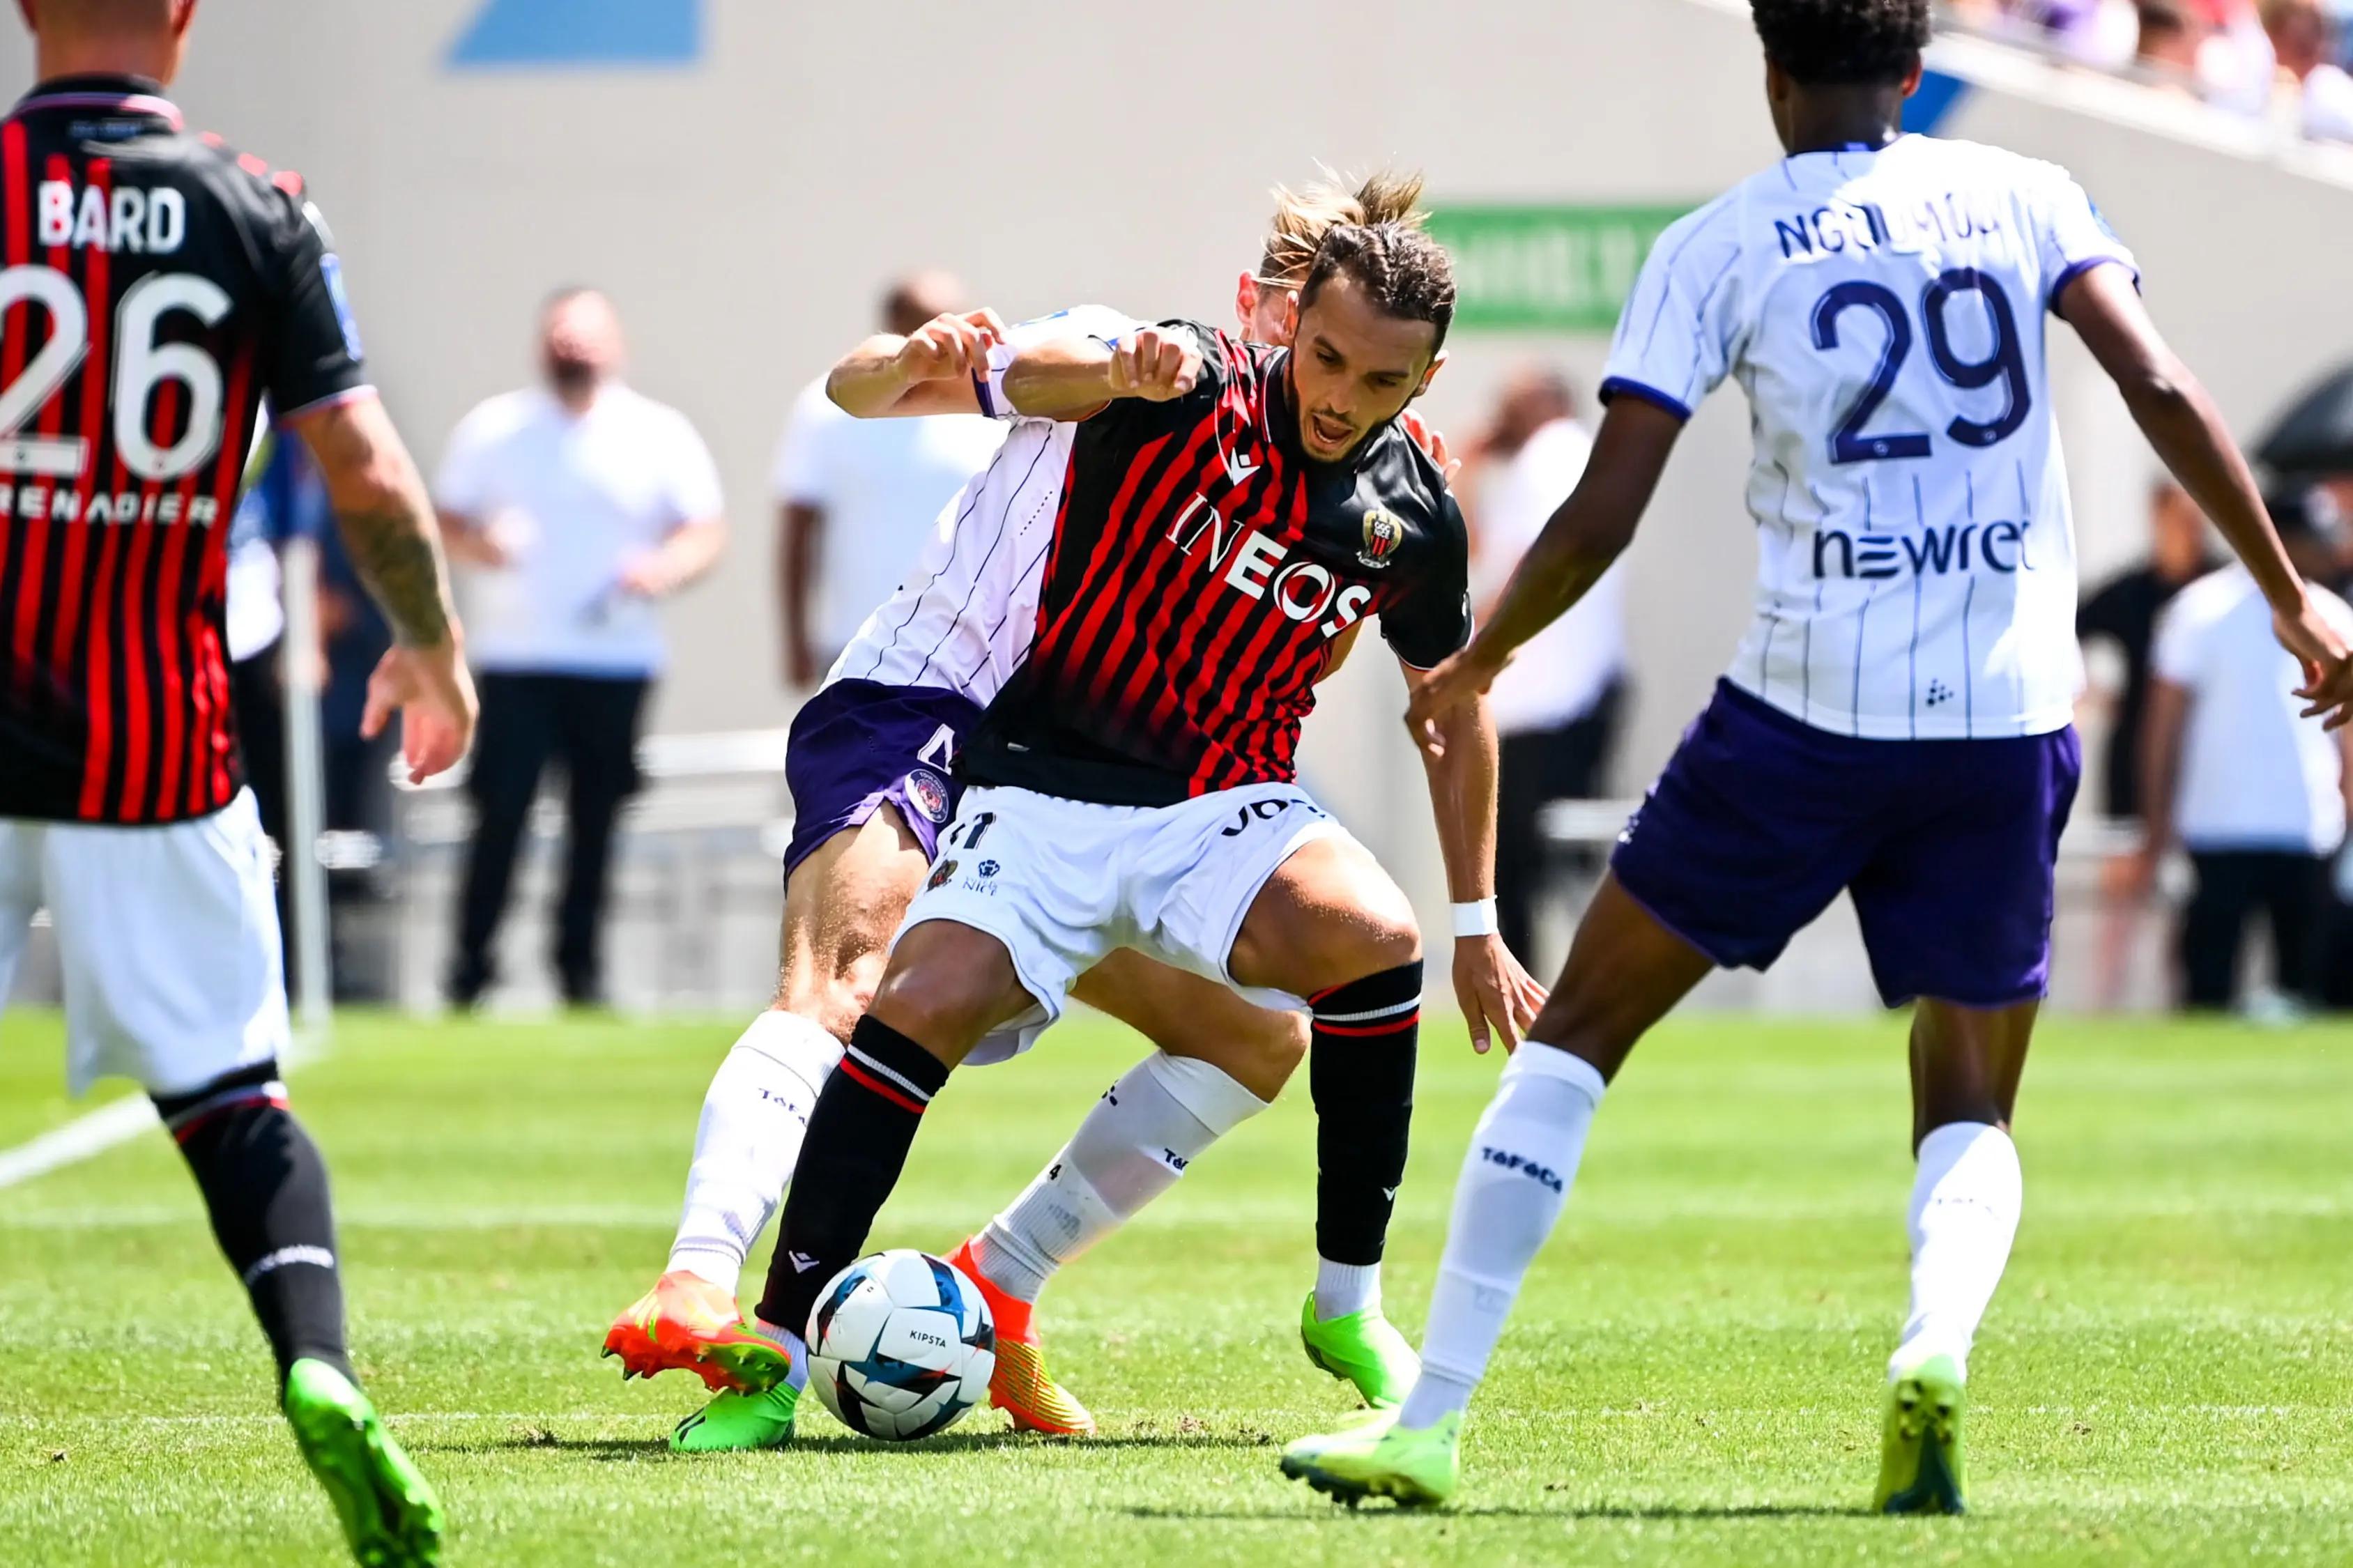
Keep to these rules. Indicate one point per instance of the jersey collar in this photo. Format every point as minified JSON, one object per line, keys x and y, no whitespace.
{"x":1846,"y":147}
{"x":129,"y":95}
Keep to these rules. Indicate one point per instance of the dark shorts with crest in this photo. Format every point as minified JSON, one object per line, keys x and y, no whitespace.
{"x":1949,"y":847}
{"x":858,"y":745}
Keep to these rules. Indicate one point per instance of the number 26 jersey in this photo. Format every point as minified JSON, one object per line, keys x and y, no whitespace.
{"x":154,"y":286}
{"x":1886,"y":313}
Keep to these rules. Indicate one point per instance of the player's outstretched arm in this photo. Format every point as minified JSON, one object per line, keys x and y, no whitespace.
{"x":1070,"y":377}
{"x":1592,"y":530}
{"x":1497,"y":995}
{"x":929,"y":372}
{"x":2188,"y":433}
{"x":386,"y":522}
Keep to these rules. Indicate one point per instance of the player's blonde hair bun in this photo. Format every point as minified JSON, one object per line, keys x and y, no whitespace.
{"x":1303,"y":217}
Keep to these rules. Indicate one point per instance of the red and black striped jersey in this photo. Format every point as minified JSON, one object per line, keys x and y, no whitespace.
{"x":156,"y":285}
{"x":1201,"y":567}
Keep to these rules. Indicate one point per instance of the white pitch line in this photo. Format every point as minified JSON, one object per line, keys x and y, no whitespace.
{"x":83,"y":1138}
{"x":110,"y":1126}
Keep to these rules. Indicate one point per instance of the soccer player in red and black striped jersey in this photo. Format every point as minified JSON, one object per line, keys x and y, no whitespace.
{"x":1226,"y":511}
{"x":157,"y":285}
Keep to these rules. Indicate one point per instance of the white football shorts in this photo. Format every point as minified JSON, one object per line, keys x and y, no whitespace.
{"x":167,"y":937}
{"x":1063,"y":882}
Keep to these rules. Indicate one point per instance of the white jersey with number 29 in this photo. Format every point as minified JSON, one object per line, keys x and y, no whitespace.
{"x":1886,"y":311}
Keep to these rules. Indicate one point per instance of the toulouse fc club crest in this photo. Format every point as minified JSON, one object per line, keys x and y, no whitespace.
{"x":930,"y":794}
{"x":1383,"y":535}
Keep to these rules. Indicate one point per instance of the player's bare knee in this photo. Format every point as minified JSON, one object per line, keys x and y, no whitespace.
{"x":946,"y":986}
{"x":832,"y":999}
{"x":1266,"y":1056}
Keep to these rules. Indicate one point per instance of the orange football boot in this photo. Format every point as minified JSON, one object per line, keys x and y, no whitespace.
{"x":1019,"y":1385}
{"x":688,"y":1325}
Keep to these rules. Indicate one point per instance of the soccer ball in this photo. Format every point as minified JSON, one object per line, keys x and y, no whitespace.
{"x":901,"y":1345}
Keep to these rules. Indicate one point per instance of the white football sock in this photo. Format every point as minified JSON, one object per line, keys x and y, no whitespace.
{"x":748,"y":1140}
{"x":796,"y":1371}
{"x":1131,"y":1148}
{"x":1345,"y":1287}
{"x":1964,"y":1217}
{"x":1515,"y":1180}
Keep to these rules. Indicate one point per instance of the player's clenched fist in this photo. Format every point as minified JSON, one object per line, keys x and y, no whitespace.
{"x":1155,"y":364}
{"x":950,"y":345}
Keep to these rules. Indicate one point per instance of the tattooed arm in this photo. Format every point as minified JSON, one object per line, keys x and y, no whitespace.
{"x":386,"y":522}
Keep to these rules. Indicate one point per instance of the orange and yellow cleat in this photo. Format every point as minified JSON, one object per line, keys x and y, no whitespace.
{"x":1020,"y":1387}
{"x":686,"y":1323}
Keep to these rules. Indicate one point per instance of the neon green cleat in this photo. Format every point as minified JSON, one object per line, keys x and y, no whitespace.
{"x":1380,"y":1458}
{"x":390,"y":1513}
{"x":1363,"y":1348}
{"x":1921,"y":1469}
{"x":1363,"y":1424}
{"x":739,"y":1422}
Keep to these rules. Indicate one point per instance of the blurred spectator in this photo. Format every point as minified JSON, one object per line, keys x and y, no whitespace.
{"x":2100,"y":33}
{"x":2332,"y":498}
{"x":1557,"y":704}
{"x":256,"y":630}
{"x":579,"y":504}
{"x":286,"y":500}
{"x":2170,"y":39}
{"x":2251,"y":57}
{"x":2236,"y":65}
{"x":2255,"y":794}
{"x":856,"y":496}
{"x":2123,"y":613}
{"x":2305,"y":38}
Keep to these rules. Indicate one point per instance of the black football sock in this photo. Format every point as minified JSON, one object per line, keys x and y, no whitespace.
{"x":265,"y":1187}
{"x":859,"y":1134}
{"x":1360,"y":1073}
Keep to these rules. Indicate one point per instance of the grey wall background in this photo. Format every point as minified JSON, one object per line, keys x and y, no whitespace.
{"x":745,"y":210}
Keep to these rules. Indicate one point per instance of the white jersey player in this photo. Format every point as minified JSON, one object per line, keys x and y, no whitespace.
{"x":870,"y":771}
{"x":1886,"y":309}
{"x":963,"y":618}
{"x":1896,"y":724}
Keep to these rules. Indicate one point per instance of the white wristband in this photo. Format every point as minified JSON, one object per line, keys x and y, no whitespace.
{"x":1475,"y":919}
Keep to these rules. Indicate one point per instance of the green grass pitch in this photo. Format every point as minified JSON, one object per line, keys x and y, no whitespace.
{"x":1692,"y":1377}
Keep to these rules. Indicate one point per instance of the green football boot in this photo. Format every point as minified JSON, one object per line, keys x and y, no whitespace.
{"x":1921,"y":1469}
{"x":738,"y":1422}
{"x":387,"y":1508}
{"x":1380,"y":1458}
{"x":1363,"y":1348}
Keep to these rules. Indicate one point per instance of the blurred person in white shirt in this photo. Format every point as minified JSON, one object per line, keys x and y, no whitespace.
{"x":576,"y":504}
{"x":2255,"y":792}
{"x":1558,"y":705}
{"x":857,"y":497}
{"x":2304,"y":37}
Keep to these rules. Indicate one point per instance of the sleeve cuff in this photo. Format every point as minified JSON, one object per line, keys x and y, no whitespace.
{"x":2077,"y":269}
{"x":1616,"y":386}
{"x":320,"y":404}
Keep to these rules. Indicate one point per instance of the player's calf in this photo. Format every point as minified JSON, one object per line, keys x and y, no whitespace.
{"x":860,"y":1134}
{"x":1331,"y":926}
{"x":1135,"y":1143}
{"x":265,"y":1186}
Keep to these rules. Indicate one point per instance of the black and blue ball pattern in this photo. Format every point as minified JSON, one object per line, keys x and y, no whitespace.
{"x":901,"y":1345}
